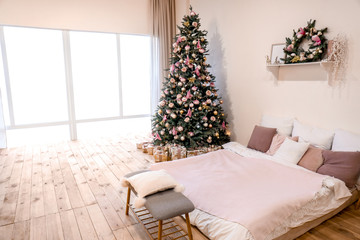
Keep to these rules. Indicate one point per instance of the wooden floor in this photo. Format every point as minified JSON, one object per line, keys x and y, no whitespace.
{"x":72,"y":190}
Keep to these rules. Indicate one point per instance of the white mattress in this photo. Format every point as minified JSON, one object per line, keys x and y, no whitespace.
{"x":219,"y":229}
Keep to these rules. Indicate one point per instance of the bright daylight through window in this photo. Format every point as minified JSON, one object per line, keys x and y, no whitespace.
{"x":96,"y":77}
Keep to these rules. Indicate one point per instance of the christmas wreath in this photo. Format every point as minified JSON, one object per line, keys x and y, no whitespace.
{"x":317,"y":48}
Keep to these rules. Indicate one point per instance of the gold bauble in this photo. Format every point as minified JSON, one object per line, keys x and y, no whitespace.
{"x":216,"y":134}
{"x":210,"y":125}
{"x":160,"y":111}
{"x":204,"y":58}
{"x":221,"y":101}
{"x":215,"y":112}
{"x":200,"y":108}
{"x":222,"y":114}
{"x":186,"y":24}
{"x":181,"y":111}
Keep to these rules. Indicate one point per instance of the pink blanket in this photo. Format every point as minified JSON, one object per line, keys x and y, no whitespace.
{"x":256,"y":193}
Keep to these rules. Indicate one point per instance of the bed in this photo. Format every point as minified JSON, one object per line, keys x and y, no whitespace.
{"x":229,"y":207}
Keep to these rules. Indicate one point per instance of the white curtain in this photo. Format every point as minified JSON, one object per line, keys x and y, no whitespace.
{"x":163,"y":33}
{"x":2,"y":125}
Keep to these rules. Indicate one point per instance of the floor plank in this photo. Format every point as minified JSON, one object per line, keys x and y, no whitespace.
{"x":72,"y":190}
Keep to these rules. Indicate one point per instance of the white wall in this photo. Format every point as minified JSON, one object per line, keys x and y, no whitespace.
{"x":241,"y":33}
{"x":118,"y":16}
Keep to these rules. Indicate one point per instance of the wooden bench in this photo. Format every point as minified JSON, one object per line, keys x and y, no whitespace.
{"x":162,"y":206}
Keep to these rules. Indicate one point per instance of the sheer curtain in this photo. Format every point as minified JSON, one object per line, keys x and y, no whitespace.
{"x":163,"y":33}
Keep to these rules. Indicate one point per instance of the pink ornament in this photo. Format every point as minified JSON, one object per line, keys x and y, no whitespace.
{"x":180,"y":128}
{"x":196,"y":102}
{"x":192,"y":13}
{"x":205,"y":119}
{"x":187,"y":47}
{"x":198,"y":45}
{"x":289,"y":48}
{"x":184,"y":99}
{"x":212,"y":118}
{"x":212,"y":84}
{"x":164,"y":118}
{"x":182,"y":79}
{"x":208,"y":101}
{"x":177,"y":64}
{"x":187,"y":119}
{"x":194,"y":88}
{"x":195,"y":24}
{"x":191,"y":134}
{"x":208,"y":92}
{"x":201,"y":50}
{"x":184,"y":69}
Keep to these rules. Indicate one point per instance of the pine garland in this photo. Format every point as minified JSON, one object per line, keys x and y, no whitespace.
{"x":317,"y":49}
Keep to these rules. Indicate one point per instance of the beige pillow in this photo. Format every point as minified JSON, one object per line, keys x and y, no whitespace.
{"x":312,"y":159}
{"x":277,"y":141}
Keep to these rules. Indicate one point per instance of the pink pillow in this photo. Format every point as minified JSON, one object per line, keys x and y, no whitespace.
{"x":261,"y":137}
{"x":342,"y":165}
{"x":277,"y":141}
{"x":312,"y":159}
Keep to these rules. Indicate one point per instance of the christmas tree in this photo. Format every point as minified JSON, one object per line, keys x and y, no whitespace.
{"x":189,"y":111}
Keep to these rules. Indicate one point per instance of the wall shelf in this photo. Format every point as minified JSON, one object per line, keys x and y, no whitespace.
{"x":274,"y":68}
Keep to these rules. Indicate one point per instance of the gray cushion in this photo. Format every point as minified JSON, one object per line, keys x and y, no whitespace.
{"x":168,"y":204}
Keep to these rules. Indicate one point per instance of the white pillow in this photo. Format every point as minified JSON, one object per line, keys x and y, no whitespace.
{"x":291,"y":151}
{"x":150,"y":182}
{"x":346,"y":141}
{"x":316,"y":136}
{"x":283,"y":125}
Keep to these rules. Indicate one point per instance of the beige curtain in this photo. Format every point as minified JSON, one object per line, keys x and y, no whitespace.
{"x":163,"y":31}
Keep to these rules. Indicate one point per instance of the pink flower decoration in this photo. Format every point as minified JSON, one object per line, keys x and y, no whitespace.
{"x":300,"y":33}
{"x":187,"y":47}
{"x":178,"y":40}
{"x":158,"y":137}
{"x":174,"y":132}
{"x":187,"y":60}
{"x":172,"y":68}
{"x":196,"y":102}
{"x":198,"y":45}
{"x":316,"y":39}
{"x":201,"y":50}
{"x":189,"y":113}
{"x":192,"y":13}
{"x":197,"y":72}
{"x":164,"y":118}
{"x":289,"y":48}
{"x":177,"y":64}
{"x":223,"y":125}
{"x":188,"y":95}
{"x":194,"y":88}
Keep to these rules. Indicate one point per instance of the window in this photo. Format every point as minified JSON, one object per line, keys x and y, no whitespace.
{"x":37,"y":77}
{"x":135,"y":74}
{"x":95,"y":74}
{"x":106,"y":77}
